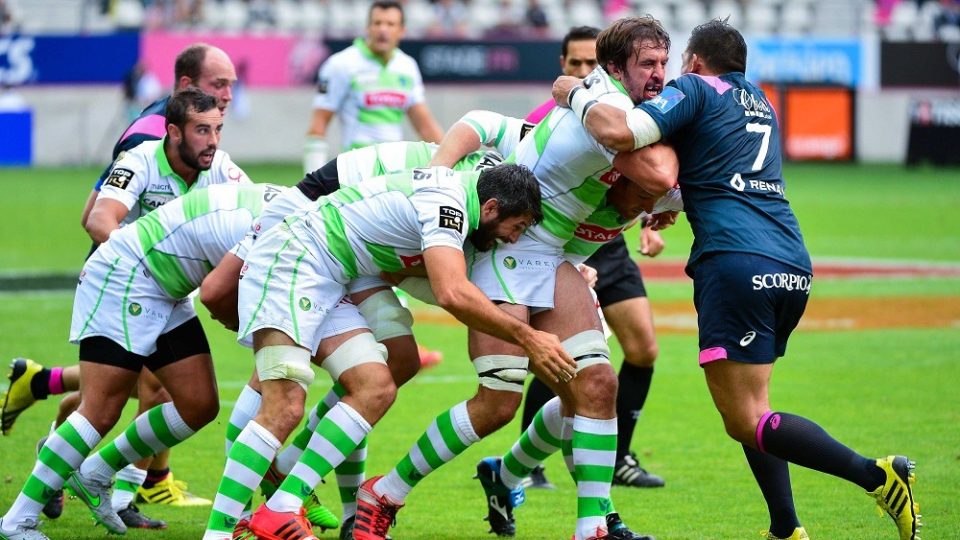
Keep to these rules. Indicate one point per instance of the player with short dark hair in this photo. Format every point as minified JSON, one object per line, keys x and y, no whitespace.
{"x":751,"y":271}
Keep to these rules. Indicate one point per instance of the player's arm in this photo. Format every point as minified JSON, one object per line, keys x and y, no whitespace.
{"x":424,"y":123}
{"x":468,"y":134}
{"x":105,"y":217}
{"x":617,"y":129}
{"x":218,"y":291}
{"x":654,"y":168}
{"x":447,"y":271}
{"x":651,"y":243}
{"x":87,"y":207}
{"x":316,"y":149}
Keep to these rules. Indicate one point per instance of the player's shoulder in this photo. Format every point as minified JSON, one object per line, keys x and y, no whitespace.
{"x":348,"y":58}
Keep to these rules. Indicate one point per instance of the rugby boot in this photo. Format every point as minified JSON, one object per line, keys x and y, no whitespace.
{"x":798,"y":534}
{"x":170,"y":491}
{"x":895,"y":496}
{"x":429,"y":358}
{"x":96,"y":496}
{"x":375,"y":514}
{"x":269,"y":525}
{"x":618,"y":530}
{"x":537,"y":480}
{"x":54,"y":506}
{"x":25,"y":531}
{"x":500,"y":499}
{"x":346,"y":530}
{"x":628,"y":472}
{"x":18,"y":397}
{"x":241,"y":531}
{"x":318,"y":514}
{"x":134,"y":519}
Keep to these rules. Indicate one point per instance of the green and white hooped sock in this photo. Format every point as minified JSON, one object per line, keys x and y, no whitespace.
{"x":244,"y":410}
{"x":337,"y":436}
{"x":248,"y":460}
{"x":128,"y":481}
{"x":152,"y":432}
{"x":447,"y":437}
{"x":62,"y":453}
{"x":594,"y":455}
{"x":540,"y":440}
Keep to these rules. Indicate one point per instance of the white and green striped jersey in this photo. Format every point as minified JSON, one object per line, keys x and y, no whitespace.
{"x":502,"y":133}
{"x":369,"y":96}
{"x":385,"y":223}
{"x":574,"y":170}
{"x":143,"y":180}
{"x":183,"y":240}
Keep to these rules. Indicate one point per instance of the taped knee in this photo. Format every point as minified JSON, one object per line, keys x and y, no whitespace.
{"x":284,"y":362}
{"x":360,"y":349}
{"x":502,"y":371}
{"x":587,"y":348}
{"x":386,"y":317}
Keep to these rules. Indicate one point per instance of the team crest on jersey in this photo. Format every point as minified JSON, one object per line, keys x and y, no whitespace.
{"x":119,"y":178}
{"x":135,"y":309}
{"x":669,"y":98}
{"x":451,"y":218}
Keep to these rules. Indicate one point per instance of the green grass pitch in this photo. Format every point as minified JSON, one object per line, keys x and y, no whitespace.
{"x":879,"y":391}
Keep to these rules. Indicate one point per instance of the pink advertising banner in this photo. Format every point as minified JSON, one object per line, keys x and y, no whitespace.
{"x":261,"y":60}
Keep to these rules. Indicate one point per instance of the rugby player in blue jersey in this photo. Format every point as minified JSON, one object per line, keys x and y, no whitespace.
{"x":750,"y":268}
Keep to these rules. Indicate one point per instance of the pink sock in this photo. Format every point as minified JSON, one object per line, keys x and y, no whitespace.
{"x":56,"y":381}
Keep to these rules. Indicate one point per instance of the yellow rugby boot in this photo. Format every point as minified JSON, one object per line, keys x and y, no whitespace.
{"x":172,"y":492}
{"x":895,"y":496}
{"x":18,"y":396}
{"x":798,"y":534}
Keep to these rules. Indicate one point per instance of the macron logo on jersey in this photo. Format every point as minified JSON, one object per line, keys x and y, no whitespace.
{"x":669,"y":98}
{"x":384,"y":98}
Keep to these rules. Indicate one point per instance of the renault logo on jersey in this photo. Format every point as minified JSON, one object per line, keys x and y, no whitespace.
{"x":135,"y":309}
{"x":305,"y":303}
{"x":737,"y":182}
{"x":509,"y":262}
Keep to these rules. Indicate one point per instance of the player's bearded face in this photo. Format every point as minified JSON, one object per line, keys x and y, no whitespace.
{"x":645,"y":71}
{"x":505,"y":230}
{"x":200,"y":138}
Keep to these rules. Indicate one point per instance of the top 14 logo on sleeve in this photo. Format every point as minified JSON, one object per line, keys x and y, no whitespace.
{"x":451,"y":218}
{"x":119,"y":178}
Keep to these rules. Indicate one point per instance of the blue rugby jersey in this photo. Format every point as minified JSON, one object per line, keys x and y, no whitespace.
{"x":727,"y":139}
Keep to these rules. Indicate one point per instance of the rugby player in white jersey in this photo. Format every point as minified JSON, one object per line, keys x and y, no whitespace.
{"x":574,"y":173}
{"x":132,"y":311}
{"x":370,"y":84}
{"x":390,"y":322}
{"x":416,"y":220}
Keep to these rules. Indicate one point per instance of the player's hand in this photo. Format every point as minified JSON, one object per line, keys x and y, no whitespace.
{"x":547,"y":355}
{"x":661,"y":221}
{"x":589,"y":274}
{"x":651,"y":243}
{"x":562,"y":87}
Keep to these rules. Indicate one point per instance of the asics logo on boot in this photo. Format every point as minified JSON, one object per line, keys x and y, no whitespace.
{"x":500,"y":508}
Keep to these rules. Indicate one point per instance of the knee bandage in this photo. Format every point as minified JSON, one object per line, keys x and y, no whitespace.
{"x":284,"y":362}
{"x":502,"y":371}
{"x":360,"y":349}
{"x":587,"y":348}
{"x":386,"y":317}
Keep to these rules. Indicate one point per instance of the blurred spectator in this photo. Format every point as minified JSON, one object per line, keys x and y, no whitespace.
{"x":949,"y":15}
{"x":508,"y":25}
{"x":449,"y":19}
{"x":8,"y":22}
{"x":884,"y":8}
{"x":536,"y":19}
{"x":140,"y":88}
